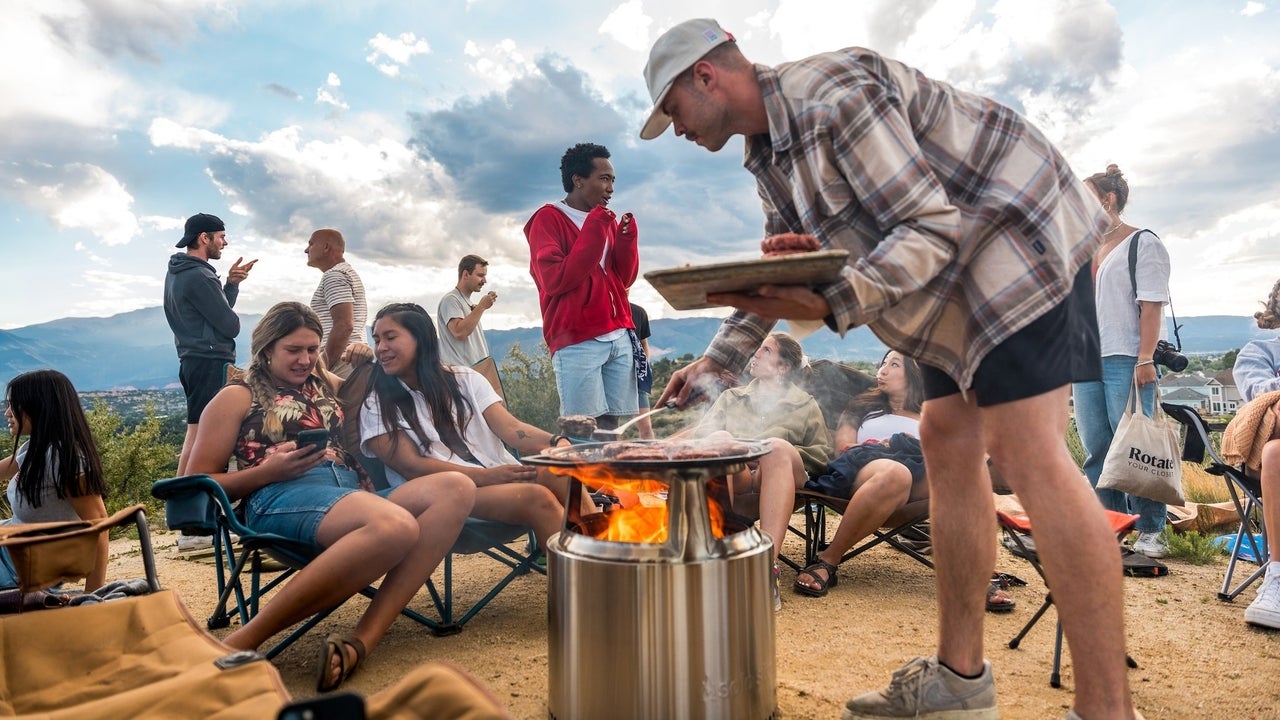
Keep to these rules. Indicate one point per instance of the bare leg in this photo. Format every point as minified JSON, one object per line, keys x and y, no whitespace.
{"x":1074,"y":541}
{"x":364,"y":538}
{"x":882,"y":486}
{"x":187,"y":441}
{"x":1271,"y":494}
{"x":962,"y":522}
{"x":521,"y":504}
{"x":781,"y":473}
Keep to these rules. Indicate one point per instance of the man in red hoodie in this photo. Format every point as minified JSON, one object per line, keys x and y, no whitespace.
{"x":583,"y":259}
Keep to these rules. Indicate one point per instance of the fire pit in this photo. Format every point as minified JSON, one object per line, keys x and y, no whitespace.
{"x":660,"y":605}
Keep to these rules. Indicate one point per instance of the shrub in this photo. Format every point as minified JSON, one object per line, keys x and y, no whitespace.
{"x":1193,"y":547}
{"x":529,"y":384}
{"x":132,"y":457}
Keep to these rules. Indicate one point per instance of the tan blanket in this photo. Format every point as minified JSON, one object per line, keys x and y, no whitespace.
{"x":1251,"y":428}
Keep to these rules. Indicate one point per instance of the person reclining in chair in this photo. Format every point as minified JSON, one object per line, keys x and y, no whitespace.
{"x":422,"y":416}
{"x":772,"y":407}
{"x":879,"y":467}
{"x":312,"y":494}
{"x":1257,"y":375}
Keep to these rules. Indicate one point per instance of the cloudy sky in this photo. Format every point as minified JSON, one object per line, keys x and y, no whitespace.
{"x":427,"y":130}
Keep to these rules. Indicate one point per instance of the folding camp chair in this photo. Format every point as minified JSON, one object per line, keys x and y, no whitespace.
{"x":142,"y":656}
{"x":1017,"y":532}
{"x":905,"y":521}
{"x":1246,"y":496}
{"x":198,"y":505}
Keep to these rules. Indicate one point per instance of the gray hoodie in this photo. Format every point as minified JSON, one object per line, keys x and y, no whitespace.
{"x":198,"y":308}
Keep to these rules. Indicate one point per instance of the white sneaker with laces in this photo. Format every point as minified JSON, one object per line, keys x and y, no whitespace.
{"x":1151,"y":544}
{"x":925,"y":689}
{"x":1265,"y":609}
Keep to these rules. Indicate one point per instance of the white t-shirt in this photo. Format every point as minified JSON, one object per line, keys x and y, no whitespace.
{"x":452,"y":350}
{"x":481,"y":441}
{"x":1113,"y":292}
{"x":882,"y":427}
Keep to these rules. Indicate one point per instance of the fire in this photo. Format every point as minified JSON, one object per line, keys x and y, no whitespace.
{"x":641,"y":513}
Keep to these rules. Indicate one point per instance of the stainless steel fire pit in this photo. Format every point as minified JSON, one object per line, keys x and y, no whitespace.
{"x":679,"y":625}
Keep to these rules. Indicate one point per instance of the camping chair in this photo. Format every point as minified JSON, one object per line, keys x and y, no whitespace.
{"x":197,"y":504}
{"x":1016,"y":529}
{"x":898,"y":529}
{"x":1246,"y":496}
{"x":142,"y":656}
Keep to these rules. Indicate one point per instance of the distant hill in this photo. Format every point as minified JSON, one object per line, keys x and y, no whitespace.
{"x":135,"y":349}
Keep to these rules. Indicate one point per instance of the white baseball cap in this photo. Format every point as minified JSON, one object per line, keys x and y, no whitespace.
{"x":673,"y":53}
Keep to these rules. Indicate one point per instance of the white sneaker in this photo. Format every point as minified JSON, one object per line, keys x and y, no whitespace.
{"x":1265,"y":609}
{"x":1151,"y":544}
{"x":194,"y":543}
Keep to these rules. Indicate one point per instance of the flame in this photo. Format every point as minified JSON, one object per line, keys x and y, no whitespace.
{"x":641,"y":515}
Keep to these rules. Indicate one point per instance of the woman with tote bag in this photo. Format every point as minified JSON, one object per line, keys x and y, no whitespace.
{"x":1130,"y":318}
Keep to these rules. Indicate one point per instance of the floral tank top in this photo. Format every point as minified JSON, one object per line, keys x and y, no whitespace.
{"x":309,"y":407}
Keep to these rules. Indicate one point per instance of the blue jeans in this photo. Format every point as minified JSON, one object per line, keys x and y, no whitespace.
{"x":1099,"y":407}
{"x":596,"y":378}
{"x":8,"y":573}
{"x":294,"y":508}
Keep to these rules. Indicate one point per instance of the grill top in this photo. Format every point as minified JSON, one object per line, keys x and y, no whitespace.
{"x":653,"y":455}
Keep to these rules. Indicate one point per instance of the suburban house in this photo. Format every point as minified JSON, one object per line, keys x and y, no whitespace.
{"x":1224,"y":398}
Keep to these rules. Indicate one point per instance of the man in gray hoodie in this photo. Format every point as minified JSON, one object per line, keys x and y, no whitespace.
{"x":198,"y":308}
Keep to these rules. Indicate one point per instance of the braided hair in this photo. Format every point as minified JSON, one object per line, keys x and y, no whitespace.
{"x":281,"y":320}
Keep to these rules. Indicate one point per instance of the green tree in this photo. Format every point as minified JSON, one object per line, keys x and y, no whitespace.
{"x":132,"y":457}
{"x":529,"y":384}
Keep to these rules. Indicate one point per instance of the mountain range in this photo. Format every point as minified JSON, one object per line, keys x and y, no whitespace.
{"x":135,"y":349}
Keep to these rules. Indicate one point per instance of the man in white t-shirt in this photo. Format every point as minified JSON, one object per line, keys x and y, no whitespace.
{"x":462,"y":340}
{"x":339,"y":298}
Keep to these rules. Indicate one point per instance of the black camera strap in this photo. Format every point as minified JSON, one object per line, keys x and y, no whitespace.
{"x":1133,"y":279}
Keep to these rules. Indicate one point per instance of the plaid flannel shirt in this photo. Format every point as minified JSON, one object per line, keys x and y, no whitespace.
{"x":963,"y":222}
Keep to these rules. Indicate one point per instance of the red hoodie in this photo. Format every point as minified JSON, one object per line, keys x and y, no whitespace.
{"x":580,"y":299}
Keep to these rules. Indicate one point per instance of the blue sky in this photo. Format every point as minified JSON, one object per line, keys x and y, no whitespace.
{"x":428,"y":130}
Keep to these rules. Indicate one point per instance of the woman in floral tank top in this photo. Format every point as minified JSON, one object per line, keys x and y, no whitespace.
{"x":314,"y":496}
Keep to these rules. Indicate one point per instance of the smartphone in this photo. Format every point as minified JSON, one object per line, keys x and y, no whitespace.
{"x":318,"y":438}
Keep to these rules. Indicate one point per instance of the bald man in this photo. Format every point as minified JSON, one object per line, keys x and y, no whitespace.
{"x":338,"y":299}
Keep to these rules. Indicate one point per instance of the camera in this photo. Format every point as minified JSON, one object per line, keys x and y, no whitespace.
{"x":1167,"y":355}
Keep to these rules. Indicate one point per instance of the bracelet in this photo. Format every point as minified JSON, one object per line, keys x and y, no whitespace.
{"x":555,"y":440}
{"x":1145,"y":362}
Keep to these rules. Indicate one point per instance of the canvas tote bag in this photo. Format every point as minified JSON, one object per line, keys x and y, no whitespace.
{"x":1144,"y":459}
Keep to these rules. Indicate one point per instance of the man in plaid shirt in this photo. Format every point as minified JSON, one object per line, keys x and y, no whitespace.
{"x":970,"y":240}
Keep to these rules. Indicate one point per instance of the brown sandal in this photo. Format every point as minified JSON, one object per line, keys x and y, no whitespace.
{"x":336,"y":645}
{"x":823,"y":585}
{"x":998,"y":601}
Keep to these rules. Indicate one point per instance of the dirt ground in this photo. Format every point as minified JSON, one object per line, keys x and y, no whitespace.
{"x":1196,"y":657}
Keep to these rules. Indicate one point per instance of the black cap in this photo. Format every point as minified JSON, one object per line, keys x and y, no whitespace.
{"x":200,"y":223}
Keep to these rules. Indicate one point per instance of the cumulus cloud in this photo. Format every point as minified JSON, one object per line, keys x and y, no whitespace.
{"x":628,"y":25}
{"x":77,"y":196}
{"x":1252,"y":8}
{"x":390,"y":54}
{"x":330,"y":94}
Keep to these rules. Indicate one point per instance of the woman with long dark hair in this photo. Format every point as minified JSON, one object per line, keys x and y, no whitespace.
{"x":423,"y":416}
{"x":55,"y":474}
{"x":313,"y":495}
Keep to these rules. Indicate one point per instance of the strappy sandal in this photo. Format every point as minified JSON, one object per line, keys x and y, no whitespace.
{"x":823,"y":585}
{"x":336,"y":645}
{"x":998,"y":601}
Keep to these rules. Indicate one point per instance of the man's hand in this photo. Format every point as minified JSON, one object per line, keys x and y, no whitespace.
{"x":689,"y":382}
{"x":239,"y":272}
{"x":779,"y":302}
{"x":357,"y":354}
{"x":486,"y":300}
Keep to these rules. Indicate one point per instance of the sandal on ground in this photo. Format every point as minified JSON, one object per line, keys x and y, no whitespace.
{"x":823,"y":585}
{"x":998,"y":601}
{"x":336,"y":646}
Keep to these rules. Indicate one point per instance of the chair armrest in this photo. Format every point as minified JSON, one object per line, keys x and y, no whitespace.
{"x":196,"y":504}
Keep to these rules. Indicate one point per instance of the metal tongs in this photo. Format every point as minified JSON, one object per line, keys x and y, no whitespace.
{"x":616,"y":433}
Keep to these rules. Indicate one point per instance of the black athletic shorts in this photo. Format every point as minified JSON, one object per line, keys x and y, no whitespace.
{"x":201,"y":378}
{"x":1056,"y":349}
